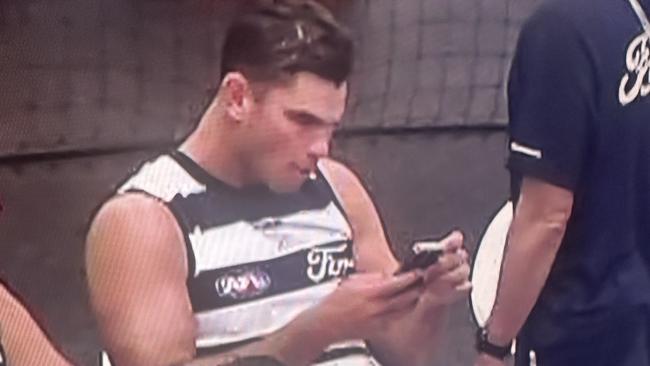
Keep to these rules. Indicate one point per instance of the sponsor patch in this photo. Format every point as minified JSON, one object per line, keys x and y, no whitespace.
{"x":243,"y":283}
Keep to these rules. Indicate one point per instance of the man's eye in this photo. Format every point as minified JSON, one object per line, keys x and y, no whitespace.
{"x":307,"y":121}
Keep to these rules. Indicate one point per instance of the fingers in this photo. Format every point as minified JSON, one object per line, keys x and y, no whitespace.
{"x":453,"y":241}
{"x":450,"y":286}
{"x":368,"y":281}
{"x":465,"y":255}
{"x":464,"y":287}
{"x":446,"y":263}
{"x":365,"y":278}
{"x":378,"y":284}
{"x":457,"y":276}
{"x":402,"y":301}
{"x":453,"y":256}
{"x":393,"y":285}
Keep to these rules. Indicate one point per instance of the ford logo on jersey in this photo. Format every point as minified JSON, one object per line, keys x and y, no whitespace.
{"x":328,"y":262}
{"x":243,"y":283}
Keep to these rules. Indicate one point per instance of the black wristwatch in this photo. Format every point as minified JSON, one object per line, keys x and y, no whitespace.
{"x":483,"y":345}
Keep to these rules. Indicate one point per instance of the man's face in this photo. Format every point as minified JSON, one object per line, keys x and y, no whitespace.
{"x":291,"y":128}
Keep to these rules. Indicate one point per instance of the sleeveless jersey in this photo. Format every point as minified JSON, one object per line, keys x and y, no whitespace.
{"x":256,"y":259}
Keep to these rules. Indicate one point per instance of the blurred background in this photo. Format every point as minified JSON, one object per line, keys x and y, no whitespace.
{"x":90,"y":88}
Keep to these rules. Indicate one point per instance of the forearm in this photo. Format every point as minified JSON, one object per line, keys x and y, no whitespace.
{"x":298,"y":343}
{"x":533,"y":242}
{"x":412,"y":339}
{"x":24,"y":342}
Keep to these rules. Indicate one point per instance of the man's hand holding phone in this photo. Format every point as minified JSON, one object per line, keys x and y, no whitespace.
{"x":426,"y":254}
{"x":447,"y":281}
{"x":445,"y":269}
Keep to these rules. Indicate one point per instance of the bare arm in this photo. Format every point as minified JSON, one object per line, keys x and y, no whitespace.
{"x":534,"y":238}
{"x":358,"y":307}
{"x":412,"y":337}
{"x":24,"y":341}
{"x":137,"y":271}
{"x":136,"y":266}
{"x":299,"y":343}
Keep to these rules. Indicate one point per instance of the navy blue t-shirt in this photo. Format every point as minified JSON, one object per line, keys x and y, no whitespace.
{"x":580,"y":119}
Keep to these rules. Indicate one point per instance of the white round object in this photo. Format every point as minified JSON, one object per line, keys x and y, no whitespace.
{"x":486,"y":268}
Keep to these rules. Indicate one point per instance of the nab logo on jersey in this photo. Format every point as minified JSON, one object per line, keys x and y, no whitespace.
{"x":243,"y":283}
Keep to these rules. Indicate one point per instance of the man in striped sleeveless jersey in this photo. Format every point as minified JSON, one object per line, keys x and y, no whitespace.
{"x":248,"y":240}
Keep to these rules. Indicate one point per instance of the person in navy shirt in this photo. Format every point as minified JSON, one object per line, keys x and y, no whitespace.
{"x":575,"y":284}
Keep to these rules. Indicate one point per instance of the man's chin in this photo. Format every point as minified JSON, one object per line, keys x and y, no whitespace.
{"x":287,"y":188}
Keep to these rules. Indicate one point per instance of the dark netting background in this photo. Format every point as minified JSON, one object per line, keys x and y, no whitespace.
{"x":111,"y":74}
{"x":428,"y":63}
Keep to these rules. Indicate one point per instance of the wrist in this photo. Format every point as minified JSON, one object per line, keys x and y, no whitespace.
{"x":485,"y":344}
{"x":428,"y":308}
{"x":432,"y":299}
{"x":319,"y":327}
{"x":301,"y":341}
{"x":498,"y":338}
{"x":484,"y":359}
{"x":497,"y":333}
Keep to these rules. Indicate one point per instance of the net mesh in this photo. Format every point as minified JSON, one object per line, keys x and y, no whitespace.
{"x":96,"y":74}
{"x":435,"y":62}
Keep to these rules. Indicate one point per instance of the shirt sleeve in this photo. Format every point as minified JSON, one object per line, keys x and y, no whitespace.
{"x":550,"y":101}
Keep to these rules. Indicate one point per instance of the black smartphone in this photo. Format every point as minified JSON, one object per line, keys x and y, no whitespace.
{"x":426,"y":254}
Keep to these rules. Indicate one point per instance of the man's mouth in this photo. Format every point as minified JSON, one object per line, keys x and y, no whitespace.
{"x":309,"y":173}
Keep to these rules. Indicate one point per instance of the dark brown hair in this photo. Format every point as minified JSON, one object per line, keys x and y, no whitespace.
{"x":280,"y":37}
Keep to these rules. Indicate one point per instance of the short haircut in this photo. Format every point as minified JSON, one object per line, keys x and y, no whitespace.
{"x":280,"y":37}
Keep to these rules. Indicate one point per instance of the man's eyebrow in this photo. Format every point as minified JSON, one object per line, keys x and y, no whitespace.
{"x":309,"y":117}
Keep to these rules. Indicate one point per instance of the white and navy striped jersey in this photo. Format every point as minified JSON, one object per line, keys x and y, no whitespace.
{"x":256,"y":258}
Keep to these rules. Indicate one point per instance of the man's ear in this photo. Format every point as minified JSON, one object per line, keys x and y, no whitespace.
{"x":239,"y":96}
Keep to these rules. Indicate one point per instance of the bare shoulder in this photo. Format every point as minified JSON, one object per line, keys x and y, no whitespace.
{"x":134,"y":227}
{"x":371,"y":245}
{"x":345,"y":181}
{"x":136,"y":261}
{"x":123,"y":213}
